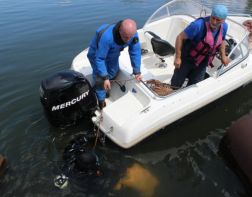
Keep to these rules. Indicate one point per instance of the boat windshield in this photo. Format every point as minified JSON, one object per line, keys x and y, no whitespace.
{"x":179,"y":7}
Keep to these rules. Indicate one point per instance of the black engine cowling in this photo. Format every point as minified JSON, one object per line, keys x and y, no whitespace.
{"x":67,"y":97}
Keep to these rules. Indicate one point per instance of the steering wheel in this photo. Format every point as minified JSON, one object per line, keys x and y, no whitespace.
{"x":230,"y":43}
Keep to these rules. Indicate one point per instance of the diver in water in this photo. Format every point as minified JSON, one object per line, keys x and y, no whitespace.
{"x":82,"y":168}
{"x":80,"y":160}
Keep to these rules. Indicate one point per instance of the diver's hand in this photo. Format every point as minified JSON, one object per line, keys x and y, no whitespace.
{"x":138,"y":77}
{"x":177,"y":62}
{"x":107,"y":85}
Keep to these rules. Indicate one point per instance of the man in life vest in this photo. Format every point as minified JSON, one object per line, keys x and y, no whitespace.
{"x":197,"y":45}
{"x":104,"y":51}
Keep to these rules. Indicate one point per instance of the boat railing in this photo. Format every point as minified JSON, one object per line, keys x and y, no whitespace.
{"x":222,"y":69}
{"x":239,"y":14}
{"x":243,"y":42}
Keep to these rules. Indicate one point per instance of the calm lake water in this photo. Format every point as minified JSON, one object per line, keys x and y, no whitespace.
{"x":41,"y":37}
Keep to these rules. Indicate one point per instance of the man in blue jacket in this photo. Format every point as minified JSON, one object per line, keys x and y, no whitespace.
{"x":104,"y":51}
{"x":197,"y":45}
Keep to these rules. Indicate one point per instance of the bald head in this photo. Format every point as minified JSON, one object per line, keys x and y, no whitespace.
{"x":127,"y":29}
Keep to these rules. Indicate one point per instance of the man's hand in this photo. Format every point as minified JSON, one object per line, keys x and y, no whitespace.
{"x":106,"y":85}
{"x":224,"y":60}
{"x":177,"y":62}
{"x":178,"y":49}
{"x":138,"y":77}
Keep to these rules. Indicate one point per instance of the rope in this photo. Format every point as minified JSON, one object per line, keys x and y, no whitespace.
{"x":162,"y":89}
{"x":98,"y":127}
{"x":162,"y":84}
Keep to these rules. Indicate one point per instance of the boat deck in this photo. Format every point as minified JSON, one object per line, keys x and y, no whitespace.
{"x":152,"y":69}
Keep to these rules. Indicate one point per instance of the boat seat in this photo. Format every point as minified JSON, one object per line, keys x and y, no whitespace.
{"x":160,"y":47}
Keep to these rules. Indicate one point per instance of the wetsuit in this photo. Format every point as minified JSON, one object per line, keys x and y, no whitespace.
{"x":103,"y":54}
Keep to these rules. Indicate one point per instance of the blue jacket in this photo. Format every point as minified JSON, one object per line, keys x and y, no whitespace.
{"x":104,"y":56}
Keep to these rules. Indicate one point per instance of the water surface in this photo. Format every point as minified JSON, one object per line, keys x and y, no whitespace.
{"x":39,"y":38}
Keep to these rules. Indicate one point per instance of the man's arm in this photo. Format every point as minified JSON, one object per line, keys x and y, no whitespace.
{"x":135,"y":57}
{"x":100,"y":57}
{"x":178,"y":48}
{"x":101,"y":54}
{"x":224,"y":58}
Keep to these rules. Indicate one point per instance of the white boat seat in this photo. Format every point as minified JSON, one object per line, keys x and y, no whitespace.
{"x":160,"y":47}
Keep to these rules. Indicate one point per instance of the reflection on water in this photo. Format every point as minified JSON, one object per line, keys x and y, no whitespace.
{"x":41,"y":37}
{"x":140,"y":179}
{"x":195,"y":164}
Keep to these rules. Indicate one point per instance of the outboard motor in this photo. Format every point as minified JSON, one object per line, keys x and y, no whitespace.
{"x":67,"y":97}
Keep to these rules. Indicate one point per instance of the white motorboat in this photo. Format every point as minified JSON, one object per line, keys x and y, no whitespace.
{"x":136,"y":112}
